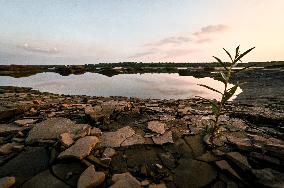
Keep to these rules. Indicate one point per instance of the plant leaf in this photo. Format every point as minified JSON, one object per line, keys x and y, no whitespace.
{"x":214,"y":107}
{"x":228,"y":54}
{"x":230,"y":92}
{"x":224,"y":76}
{"x":237,"y":52}
{"x":210,"y":88}
{"x":222,"y":63}
{"x":243,"y":54}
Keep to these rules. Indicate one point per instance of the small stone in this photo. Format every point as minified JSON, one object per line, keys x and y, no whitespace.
{"x":163,"y":139}
{"x":7,"y":148}
{"x":18,"y":148}
{"x":159,"y":166}
{"x":96,"y":132}
{"x":108,"y":153}
{"x":124,"y":180}
{"x":145,"y":183}
{"x":90,"y":178}
{"x":25,"y":122}
{"x":161,"y":185}
{"x":18,"y":140}
{"x":157,"y":127}
{"x":7,"y":182}
{"x":81,"y":148}
{"x":66,"y":139}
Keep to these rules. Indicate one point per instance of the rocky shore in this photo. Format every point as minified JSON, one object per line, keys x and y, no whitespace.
{"x":49,"y":140}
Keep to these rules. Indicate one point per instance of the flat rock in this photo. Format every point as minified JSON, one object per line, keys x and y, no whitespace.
{"x":193,"y":173}
{"x":168,"y":160}
{"x":275,"y":147}
{"x":7,"y":182}
{"x":115,"y":139}
{"x":264,"y":158}
{"x":26,"y":165}
{"x":90,"y":178}
{"x":25,"y":122}
{"x":108,"y":153}
{"x":223,"y":165}
{"x":157,"y":127}
{"x":125,"y":180}
{"x":269,"y":178}
{"x":240,"y":160}
{"x":66,"y":139}
{"x":6,"y":129}
{"x":163,"y":139}
{"x":240,"y":141}
{"x":133,"y":140}
{"x":95,"y":132}
{"x":51,"y":129}
{"x":81,"y":148}
{"x":196,"y":144}
{"x":208,"y":157}
{"x":45,"y":180}
{"x":69,"y":172}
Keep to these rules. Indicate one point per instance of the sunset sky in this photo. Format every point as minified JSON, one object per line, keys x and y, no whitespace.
{"x":92,"y":31}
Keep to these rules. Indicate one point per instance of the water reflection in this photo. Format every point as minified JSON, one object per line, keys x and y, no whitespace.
{"x":159,"y":86}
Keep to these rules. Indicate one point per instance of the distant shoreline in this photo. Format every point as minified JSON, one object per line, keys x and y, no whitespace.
{"x":263,"y":83}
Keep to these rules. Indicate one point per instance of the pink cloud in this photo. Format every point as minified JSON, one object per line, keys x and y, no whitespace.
{"x":211,"y":29}
{"x":170,"y":40}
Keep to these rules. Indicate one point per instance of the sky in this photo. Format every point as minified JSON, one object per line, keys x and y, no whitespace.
{"x":94,"y":31}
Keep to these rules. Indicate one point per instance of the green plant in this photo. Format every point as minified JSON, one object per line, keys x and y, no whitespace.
{"x":217,"y":107}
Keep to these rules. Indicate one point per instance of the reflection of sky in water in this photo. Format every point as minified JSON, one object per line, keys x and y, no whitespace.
{"x":164,"y":86}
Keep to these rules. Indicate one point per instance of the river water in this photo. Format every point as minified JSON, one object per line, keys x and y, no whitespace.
{"x":155,"y":86}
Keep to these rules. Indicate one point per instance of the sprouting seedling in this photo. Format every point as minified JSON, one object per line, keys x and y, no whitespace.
{"x":217,"y":107}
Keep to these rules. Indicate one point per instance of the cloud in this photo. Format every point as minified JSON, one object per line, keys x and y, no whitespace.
{"x":142,"y":54}
{"x":170,"y":40}
{"x":211,"y":29}
{"x":30,"y":48}
{"x":179,"y":52}
{"x":182,"y":45}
